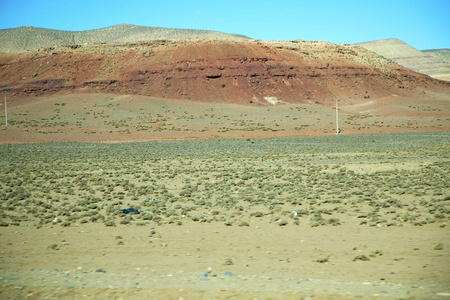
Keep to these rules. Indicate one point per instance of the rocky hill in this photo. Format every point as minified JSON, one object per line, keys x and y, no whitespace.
{"x":431,"y":62}
{"x":29,"y":38}
{"x":434,"y":63}
{"x":228,"y":71}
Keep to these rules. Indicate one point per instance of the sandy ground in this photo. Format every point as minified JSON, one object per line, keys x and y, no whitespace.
{"x":211,"y":260}
{"x":261,"y":261}
{"x":225,"y":251}
{"x":109,"y":118}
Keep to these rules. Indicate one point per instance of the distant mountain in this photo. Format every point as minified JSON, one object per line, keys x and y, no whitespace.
{"x":435,"y":63}
{"x":442,"y":54}
{"x":30,"y":38}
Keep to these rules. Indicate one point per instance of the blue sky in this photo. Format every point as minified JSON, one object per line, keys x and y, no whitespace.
{"x":423,"y":24}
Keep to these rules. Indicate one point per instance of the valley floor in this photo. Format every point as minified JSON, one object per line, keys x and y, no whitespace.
{"x":112,"y":118}
{"x":331,"y":217}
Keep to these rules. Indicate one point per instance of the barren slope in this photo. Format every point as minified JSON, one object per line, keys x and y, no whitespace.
{"x":29,"y":38}
{"x":242,"y":72}
{"x":430,"y":62}
{"x":443,"y":54}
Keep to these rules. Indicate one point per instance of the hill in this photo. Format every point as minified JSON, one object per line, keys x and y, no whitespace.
{"x":30,"y":38}
{"x":442,"y":54}
{"x":228,"y":71}
{"x":178,"y":89}
{"x":434,"y":63}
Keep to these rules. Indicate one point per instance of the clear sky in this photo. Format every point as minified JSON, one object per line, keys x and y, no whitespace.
{"x":423,"y":24}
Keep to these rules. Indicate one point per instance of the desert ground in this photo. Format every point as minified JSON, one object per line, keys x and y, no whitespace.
{"x":206,"y":169}
{"x":121,"y":118}
{"x":360,"y":216}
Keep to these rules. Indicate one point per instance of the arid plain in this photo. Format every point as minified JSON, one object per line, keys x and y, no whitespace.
{"x":349,"y":217}
{"x":171,"y":177}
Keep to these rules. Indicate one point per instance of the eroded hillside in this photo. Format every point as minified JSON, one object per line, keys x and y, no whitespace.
{"x":431,"y":62}
{"x":242,"y":72}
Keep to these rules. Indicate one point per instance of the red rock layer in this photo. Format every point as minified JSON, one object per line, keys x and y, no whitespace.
{"x":242,"y":72}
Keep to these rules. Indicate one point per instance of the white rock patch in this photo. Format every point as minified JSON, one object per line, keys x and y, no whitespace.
{"x":273,"y":100}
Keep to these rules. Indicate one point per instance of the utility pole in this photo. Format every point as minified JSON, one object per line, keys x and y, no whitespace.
{"x":6,"y":109}
{"x":337,"y":114}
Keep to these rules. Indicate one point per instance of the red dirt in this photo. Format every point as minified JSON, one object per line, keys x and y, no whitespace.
{"x":215,"y":72}
{"x":112,"y":118}
{"x":238,"y":72}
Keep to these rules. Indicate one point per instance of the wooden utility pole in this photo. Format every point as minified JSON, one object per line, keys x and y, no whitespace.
{"x":337,"y":114}
{"x":6,"y":109}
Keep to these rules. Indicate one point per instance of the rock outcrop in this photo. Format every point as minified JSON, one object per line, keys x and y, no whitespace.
{"x":242,"y":72}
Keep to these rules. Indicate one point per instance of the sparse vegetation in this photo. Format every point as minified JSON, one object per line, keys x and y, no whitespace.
{"x":361,"y":257}
{"x":395,"y":181}
{"x":24,"y":38}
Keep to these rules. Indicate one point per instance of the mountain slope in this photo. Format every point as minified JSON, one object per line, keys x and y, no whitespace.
{"x":227,"y":71}
{"x":430,"y":62}
{"x":442,"y":54}
{"x":29,"y":38}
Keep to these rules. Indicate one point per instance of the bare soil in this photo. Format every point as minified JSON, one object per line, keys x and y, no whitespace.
{"x":337,"y":217}
{"x":113,"y":118}
{"x":209,"y":89}
{"x":234,"y":72}
{"x":190,"y":262}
